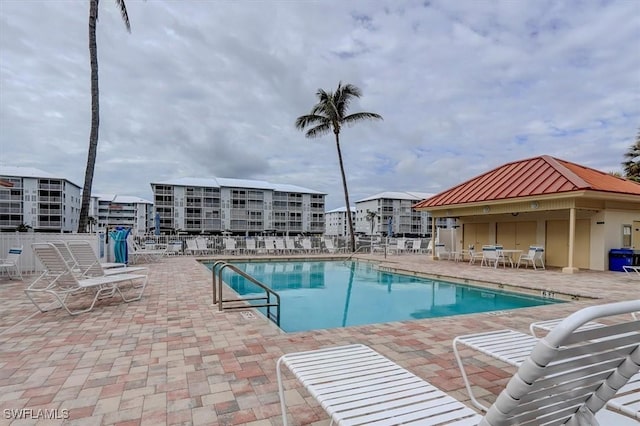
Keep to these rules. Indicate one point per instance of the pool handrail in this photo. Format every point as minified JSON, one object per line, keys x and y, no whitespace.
{"x":217,"y":285}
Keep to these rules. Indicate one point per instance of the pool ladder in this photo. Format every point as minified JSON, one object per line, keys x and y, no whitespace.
{"x":244,"y":302}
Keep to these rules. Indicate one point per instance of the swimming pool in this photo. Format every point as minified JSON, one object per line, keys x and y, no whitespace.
{"x":330,"y":294}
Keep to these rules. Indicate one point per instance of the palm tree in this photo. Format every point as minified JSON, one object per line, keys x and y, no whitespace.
{"x":632,"y":165}
{"x":371,"y":218}
{"x":95,"y":108}
{"x":330,"y":114}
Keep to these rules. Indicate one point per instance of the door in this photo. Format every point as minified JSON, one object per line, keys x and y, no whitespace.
{"x":557,"y":243}
{"x":635,"y":235}
{"x":516,"y":235}
{"x":557,"y":246}
{"x":475,"y":234}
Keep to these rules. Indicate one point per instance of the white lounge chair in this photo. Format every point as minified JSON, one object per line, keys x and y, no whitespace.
{"x":87,"y":263}
{"x":307,"y":246}
{"x":399,"y":248}
{"x":280,"y":247}
{"x":250,"y":246}
{"x":203,"y":246}
{"x":566,"y":379}
{"x":230,"y":246}
{"x":513,"y":348}
{"x":136,"y":253}
{"x":61,"y":282}
{"x":329,"y":247}
{"x":629,"y":269}
{"x":10,"y":263}
{"x":533,"y":255}
{"x":290,"y":245}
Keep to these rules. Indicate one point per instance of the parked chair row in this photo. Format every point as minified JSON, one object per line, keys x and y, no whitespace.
{"x":139,"y":254}
{"x":65,"y":279}
{"x":566,"y":377}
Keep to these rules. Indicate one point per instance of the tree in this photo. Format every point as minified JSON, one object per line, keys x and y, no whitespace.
{"x":371,"y":218}
{"x":330,"y":114}
{"x":632,"y":165}
{"x":95,"y":108}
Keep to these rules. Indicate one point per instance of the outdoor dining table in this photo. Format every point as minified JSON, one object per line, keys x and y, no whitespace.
{"x":508,"y":253}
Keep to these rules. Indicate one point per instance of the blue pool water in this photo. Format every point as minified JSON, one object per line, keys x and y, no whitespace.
{"x":331,"y":294}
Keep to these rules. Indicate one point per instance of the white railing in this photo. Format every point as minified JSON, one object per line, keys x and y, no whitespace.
{"x":27,"y":261}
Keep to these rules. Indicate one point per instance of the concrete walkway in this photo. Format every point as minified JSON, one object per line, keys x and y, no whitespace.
{"x":172,"y":359}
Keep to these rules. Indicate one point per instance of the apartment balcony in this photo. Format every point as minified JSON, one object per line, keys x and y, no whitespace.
{"x":50,"y":224}
{"x":10,"y":210}
{"x":54,"y":212}
{"x":5,"y":196}
{"x":10,"y":223}
{"x":53,"y":200}
{"x":50,"y":186}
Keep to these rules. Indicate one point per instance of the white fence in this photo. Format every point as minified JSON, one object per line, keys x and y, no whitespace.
{"x":28,"y":263}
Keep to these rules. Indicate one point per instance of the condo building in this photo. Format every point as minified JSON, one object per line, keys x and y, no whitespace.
{"x":35,"y":199}
{"x":336,"y":221}
{"x":111,"y":211}
{"x":394,"y":215}
{"x":237,"y":206}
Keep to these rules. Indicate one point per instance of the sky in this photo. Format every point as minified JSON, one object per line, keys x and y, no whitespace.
{"x":213,"y":88}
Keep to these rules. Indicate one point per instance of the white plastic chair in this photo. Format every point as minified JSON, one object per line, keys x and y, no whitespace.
{"x":10,"y":263}
{"x":533,"y":255}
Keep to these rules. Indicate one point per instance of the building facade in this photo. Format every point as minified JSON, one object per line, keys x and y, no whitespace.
{"x":336,"y":222}
{"x":32,"y":198}
{"x":111,"y":211}
{"x":576,"y":213}
{"x":394,"y":212}
{"x":237,"y":206}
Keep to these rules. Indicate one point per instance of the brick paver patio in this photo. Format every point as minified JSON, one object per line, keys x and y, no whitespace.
{"x":173,"y":359}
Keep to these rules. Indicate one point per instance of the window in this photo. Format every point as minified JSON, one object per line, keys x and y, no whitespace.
{"x":626,"y":235}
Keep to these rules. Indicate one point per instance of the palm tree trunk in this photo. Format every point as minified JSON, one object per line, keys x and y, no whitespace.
{"x":95,"y":118}
{"x":352,"y":239}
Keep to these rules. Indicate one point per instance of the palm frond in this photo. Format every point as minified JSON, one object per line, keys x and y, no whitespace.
{"x":308,"y":120}
{"x":360,"y":116}
{"x":123,"y":13}
{"x":319,"y":130}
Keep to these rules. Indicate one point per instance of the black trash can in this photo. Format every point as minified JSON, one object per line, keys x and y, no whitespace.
{"x":636,"y":258}
{"x":619,"y":258}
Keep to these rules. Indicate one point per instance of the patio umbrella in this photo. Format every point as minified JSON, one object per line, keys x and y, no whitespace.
{"x":390,"y":227}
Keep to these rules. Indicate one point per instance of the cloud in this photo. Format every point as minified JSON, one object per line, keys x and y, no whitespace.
{"x":202,"y":88}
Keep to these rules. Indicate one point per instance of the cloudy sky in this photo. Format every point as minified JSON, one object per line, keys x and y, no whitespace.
{"x":213,"y":88}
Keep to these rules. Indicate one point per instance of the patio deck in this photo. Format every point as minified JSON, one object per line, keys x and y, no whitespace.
{"x":172,"y":358}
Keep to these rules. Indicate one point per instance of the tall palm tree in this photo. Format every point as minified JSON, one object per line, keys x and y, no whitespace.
{"x":632,"y":165}
{"x":95,"y":107}
{"x":330,"y":114}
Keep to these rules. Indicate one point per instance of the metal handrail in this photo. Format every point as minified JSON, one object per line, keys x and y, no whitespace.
{"x":217,"y":290}
{"x":365,"y":247}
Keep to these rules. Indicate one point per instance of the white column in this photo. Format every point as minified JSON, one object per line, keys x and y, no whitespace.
{"x":570,"y":269}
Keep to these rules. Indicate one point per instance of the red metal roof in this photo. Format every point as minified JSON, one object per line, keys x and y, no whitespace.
{"x":542,"y":175}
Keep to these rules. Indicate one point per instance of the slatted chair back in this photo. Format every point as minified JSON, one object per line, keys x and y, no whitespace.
{"x":65,"y":252}
{"x":56,"y":269}
{"x":86,"y":260}
{"x":573,"y":371}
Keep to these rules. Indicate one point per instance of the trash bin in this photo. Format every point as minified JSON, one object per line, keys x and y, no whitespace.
{"x":619,"y":258}
{"x":636,"y":258}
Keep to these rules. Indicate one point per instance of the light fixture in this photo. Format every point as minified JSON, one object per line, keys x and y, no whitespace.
{"x":486,"y":209}
{"x":515,"y":213}
{"x":534,"y":205}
